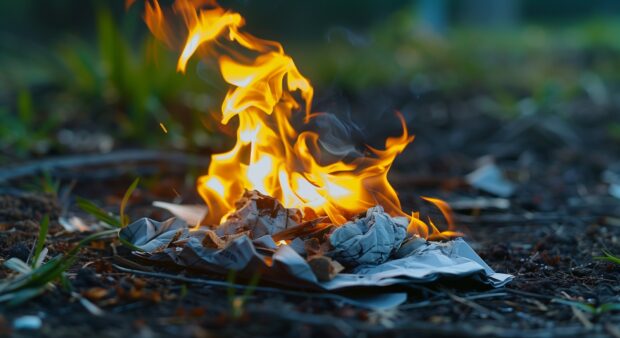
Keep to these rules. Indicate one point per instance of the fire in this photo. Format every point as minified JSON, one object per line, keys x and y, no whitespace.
{"x":270,"y":156}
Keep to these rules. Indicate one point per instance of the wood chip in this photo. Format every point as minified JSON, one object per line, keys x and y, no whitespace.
{"x":324,"y":268}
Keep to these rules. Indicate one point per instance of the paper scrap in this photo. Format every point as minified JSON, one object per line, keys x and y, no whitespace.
{"x":368,"y":240}
{"x":172,"y":242}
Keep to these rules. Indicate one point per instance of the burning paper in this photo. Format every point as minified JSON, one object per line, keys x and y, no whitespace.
{"x":371,"y":250}
{"x":174,"y":242}
{"x":283,"y":201}
{"x":260,"y":215}
{"x":368,"y":240}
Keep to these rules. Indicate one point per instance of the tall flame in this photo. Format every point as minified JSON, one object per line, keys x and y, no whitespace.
{"x":270,"y":156}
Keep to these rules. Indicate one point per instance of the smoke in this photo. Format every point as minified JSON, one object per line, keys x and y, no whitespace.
{"x":346,"y":34}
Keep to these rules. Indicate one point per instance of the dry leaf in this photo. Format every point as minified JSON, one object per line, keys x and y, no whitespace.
{"x":95,"y":293}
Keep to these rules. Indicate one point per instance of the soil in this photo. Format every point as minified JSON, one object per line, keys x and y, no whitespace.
{"x":559,"y":219}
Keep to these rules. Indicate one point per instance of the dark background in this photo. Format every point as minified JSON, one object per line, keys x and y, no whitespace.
{"x":85,"y":76}
{"x":281,"y":19}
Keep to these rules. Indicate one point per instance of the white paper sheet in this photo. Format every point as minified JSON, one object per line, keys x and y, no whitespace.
{"x":173,"y":242}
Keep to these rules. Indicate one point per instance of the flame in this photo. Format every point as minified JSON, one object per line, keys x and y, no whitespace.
{"x":270,"y":156}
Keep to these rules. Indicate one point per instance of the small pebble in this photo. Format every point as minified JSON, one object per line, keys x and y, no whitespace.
{"x":27,"y":323}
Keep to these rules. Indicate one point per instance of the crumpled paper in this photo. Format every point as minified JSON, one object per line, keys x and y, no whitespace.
{"x":260,"y":215}
{"x":368,"y":240}
{"x":173,"y":242}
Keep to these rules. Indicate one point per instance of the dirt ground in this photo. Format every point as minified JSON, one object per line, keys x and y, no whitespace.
{"x":547,"y":233}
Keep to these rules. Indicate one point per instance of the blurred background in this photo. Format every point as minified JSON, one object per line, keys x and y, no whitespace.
{"x":86,"y":76}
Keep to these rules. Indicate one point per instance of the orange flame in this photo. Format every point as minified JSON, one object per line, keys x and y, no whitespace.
{"x":270,"y":155}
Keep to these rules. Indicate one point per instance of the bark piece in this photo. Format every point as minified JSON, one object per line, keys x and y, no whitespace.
{"x":324,"y":268}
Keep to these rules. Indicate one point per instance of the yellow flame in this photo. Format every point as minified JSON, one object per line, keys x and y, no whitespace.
{"x":270,"y":156}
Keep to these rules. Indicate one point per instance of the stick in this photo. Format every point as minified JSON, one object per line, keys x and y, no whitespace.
{"x":65,"y":163}
{"x":477,"y":307}
{"x":447,"y":301}
{"x":221,"y":284}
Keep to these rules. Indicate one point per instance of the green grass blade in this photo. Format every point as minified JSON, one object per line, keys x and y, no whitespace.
{"x":21,"y":296}
{"x":49,"y":184}
{"x":52,"y":269}
{"x":45,"y":273}
{"x":43,"y":230}
{"x":230,"y":291}
{"x":608,"y":257}
{"x":130,"y":190}
{"x":90,"y":238}
{"x":609,"y":307}
{"x":130,"y":245}
{"x":25,"y":108}
{"x":17,"y":265}
{"x":39,"y":261}
{"x":251,"y":286}
{"x":34,"y":279}
{"x":100,"y":214}
{"x":581,"y":306}
{"x":34,"y":282}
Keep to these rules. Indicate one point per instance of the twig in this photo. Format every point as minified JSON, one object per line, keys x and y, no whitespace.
{"x":613,"y":330}
{"x":476,"y":307}
{"x":582,"y":318}
{"x":529,"y":294}
{"x":448,"y":301}
{"x":88,"y":305}
{"x":227,"y":285}
{"x":65,"y":163}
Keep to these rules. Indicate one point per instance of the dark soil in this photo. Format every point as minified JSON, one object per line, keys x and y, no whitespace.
{"x":560,"y":217}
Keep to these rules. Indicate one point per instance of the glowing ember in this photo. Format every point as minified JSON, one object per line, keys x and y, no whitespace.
{"x":270,"y":156}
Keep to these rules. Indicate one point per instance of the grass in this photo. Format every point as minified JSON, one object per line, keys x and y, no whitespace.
{"x":39,"y":276}
{"x":607,"y":256}
{"x":106,"y":217}
{"x":546,"y":64}
{"x":117,"y":80}
{"x":100,"y":214}
{"x":589,"y":308}
{"x":123,"y":216}
{"x":123,"y":82}
{"x":37,"y":258}
{"x":31,"y":280}
{"x":237,"y":303}
{"x":21,"y":130}
{"x":46,"y":183}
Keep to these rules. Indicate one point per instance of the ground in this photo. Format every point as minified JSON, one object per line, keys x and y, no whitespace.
{"x":547,"y":234}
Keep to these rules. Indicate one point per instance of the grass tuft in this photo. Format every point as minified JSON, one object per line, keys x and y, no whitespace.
{"x":608,"y":256}
{"x":43,"y":230}
{"x":124,"y":218}
{"x":97,"y":212}
{"x":31,"y":282}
